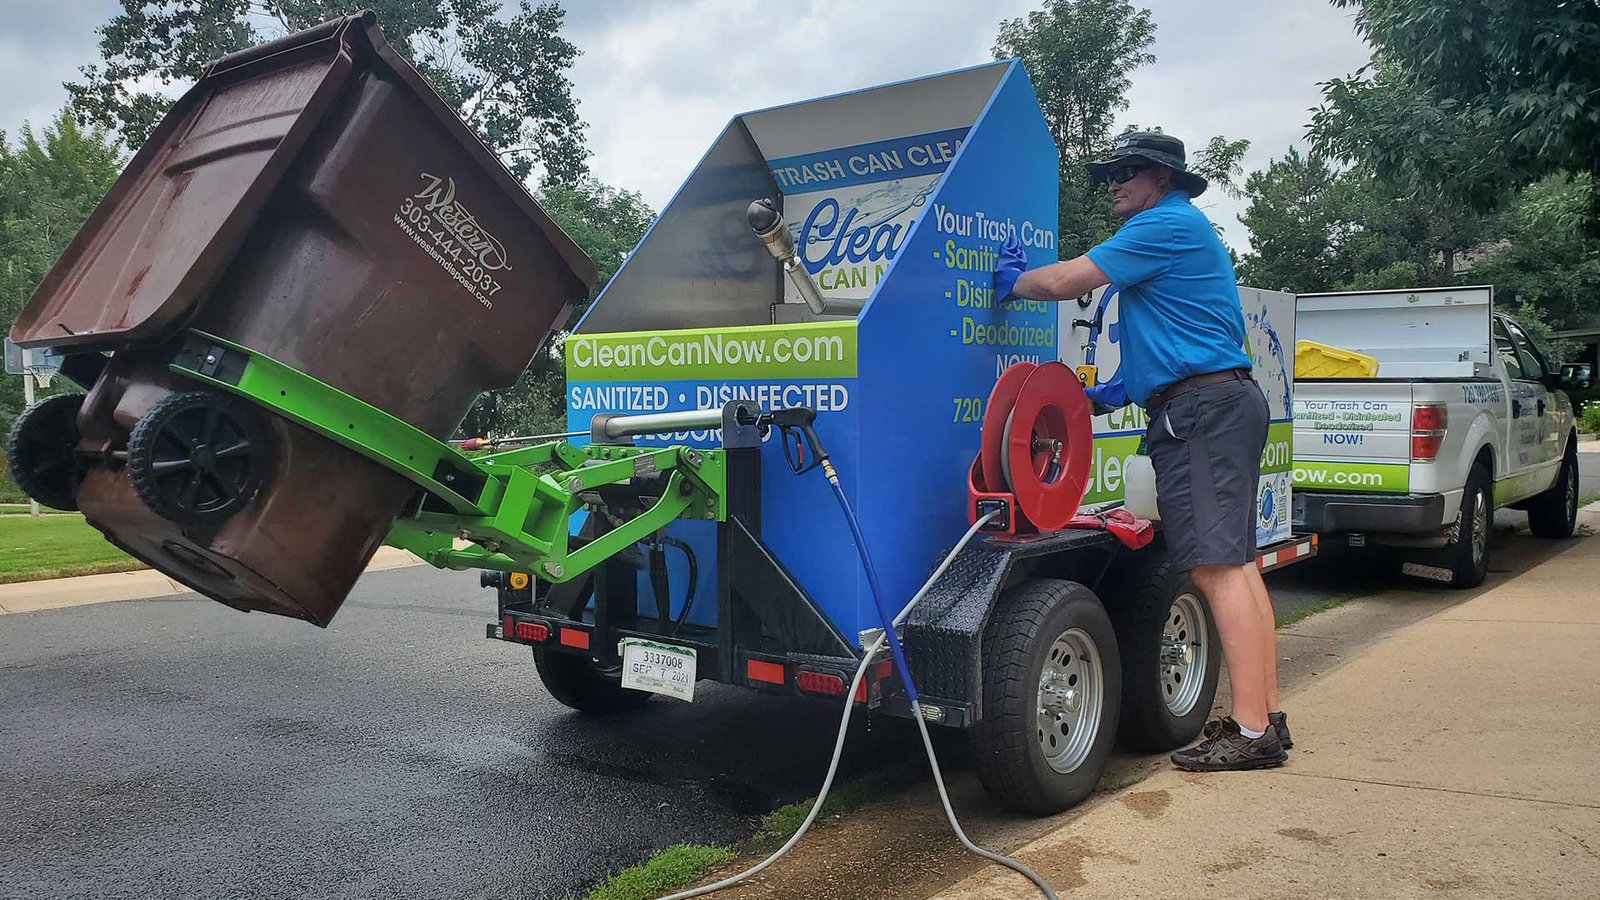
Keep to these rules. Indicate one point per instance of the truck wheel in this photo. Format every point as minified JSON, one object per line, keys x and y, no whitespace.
{"x":1171,"y":657}
{"x":575,"y":683}
{"x":1467,"y":557}
{"x":1554,"y":513}
{"x":1052,"y":689}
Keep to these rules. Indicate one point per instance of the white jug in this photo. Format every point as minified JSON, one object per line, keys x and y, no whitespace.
{"x":1140,"y":477}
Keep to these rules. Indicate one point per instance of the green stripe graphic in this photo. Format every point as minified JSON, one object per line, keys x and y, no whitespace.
{"x":1325,"y":475}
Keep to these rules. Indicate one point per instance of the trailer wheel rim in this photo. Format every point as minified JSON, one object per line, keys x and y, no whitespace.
{"x":1071,"y":691}
{"x":1184,"y":654}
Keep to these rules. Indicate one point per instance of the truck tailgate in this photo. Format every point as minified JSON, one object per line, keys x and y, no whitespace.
{"x":1352,"y":436}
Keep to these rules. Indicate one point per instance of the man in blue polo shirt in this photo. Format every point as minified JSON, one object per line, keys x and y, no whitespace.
{"x":1183,"y":360}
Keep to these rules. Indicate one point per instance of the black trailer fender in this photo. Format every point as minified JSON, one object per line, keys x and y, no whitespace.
{"x":943,"y":636}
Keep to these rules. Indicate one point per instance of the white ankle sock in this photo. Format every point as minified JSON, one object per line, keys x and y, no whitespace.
{"x":1252,"y":735}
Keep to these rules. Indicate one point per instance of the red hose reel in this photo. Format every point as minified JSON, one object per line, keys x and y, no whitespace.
{"x":1033,"y":464}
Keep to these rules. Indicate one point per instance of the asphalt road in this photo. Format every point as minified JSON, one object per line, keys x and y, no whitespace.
{"x":175,"y":748}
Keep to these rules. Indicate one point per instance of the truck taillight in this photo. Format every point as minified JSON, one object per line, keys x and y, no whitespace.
{"x":1428,"y":423}
{"x":533,"y":632}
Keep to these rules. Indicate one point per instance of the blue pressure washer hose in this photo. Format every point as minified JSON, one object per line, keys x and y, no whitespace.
{"x":885,"y":615}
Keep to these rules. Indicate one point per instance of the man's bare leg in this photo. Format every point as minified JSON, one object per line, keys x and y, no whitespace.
{"x":1269,"y":620}
{"x":1247,"y":641}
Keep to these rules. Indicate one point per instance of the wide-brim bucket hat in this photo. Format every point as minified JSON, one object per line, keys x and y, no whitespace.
{"x":1154,"y":147}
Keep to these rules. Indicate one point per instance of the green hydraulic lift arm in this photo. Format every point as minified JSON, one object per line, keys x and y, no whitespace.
{"x":514,"y":507}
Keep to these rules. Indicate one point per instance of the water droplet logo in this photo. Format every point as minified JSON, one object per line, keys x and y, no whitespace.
{"x":1267,"y":506}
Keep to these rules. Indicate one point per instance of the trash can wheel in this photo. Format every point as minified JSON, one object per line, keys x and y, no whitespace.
{"x":41,"y":451}
{"x":197,"y":458}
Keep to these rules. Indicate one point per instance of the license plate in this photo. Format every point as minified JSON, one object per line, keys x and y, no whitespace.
{"x":658,"y":668}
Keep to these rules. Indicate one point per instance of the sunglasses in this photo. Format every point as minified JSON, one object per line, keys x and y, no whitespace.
{"x":1123,"y":174}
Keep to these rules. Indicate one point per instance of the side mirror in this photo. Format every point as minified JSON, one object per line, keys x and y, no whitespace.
{"x":1576,"y":376}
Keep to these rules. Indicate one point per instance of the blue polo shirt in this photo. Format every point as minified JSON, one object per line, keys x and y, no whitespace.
{"x":1180,"y":312}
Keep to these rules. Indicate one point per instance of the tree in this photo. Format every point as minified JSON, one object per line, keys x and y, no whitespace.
{"x":1546,"y":264}
{"x":505,"y":75}
{"x":49,"y":184}
{"x":1315,"y":228}
{"x":1220,"y":162}
{"x":607,"y":223}
{"x":1080,"y":54}
{"x":1291,"y":225}
{"x":1469,"y":98}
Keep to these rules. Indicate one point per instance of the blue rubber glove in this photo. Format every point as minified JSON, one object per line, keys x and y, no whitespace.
{"x":1108,"y":396}
{"x":1013,"y":262}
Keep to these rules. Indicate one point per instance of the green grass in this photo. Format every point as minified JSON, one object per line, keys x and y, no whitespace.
{"x":675,"y":867}
{"x":778,"y":825}
{"x":1300,"y":615}
{"x":55,"y":547}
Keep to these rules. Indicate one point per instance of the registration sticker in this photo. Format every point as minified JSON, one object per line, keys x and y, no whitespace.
{"x":658,"y":668}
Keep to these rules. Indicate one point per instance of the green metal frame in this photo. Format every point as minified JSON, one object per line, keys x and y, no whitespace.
{"x":512,"y":509}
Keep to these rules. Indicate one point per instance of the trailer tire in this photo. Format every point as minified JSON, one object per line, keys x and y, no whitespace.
{"x":1554,"y":513}
{"x":1171,"y":656}
{"x":575,"y":683}
{"x":1054,"y":635}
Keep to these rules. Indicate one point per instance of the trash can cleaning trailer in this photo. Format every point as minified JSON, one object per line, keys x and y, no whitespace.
{"x":837,"y":254}
{"x":267,"y":413}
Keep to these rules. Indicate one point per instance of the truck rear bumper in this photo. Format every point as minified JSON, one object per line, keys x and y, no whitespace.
{"x":1336,"y":513}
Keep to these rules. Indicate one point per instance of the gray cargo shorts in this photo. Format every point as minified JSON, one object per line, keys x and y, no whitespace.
{"x":1205,"y":445}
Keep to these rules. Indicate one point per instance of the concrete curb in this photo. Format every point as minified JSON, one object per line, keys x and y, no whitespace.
{"x":83,"y":590}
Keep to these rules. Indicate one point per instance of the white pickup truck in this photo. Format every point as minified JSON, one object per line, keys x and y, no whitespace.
{"x":1463,"y":417}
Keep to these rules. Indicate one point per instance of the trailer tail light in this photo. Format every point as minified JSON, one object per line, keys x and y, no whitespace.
{"x":1428,"y":423}
{"x":765,"y":672}
{"x":575,"y":637}
{"x":535,"y":632}
{"x":825,"y":683}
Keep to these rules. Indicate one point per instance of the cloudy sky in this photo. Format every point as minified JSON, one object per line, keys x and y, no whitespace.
{"x":659,"y":78}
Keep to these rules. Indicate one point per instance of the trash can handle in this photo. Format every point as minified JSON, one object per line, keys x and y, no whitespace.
{"x":331,"y":29}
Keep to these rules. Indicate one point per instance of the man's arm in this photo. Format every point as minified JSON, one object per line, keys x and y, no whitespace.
{"x":1060,"y":281}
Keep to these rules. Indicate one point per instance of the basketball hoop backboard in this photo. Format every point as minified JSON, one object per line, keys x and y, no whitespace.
{"x":41,"y":362}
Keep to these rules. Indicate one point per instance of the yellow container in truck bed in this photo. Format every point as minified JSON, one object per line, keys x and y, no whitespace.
{"x":1314,"y":360}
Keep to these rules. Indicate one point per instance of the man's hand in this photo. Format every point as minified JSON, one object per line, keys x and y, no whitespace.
{"x":1107,"y":397}
{"x":1013,"y":262}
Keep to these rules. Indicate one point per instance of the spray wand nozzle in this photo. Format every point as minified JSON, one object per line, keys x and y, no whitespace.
{"x":767,"y":223}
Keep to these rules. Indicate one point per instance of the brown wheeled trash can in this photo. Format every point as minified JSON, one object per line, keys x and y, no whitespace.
{"x":314,"y":200}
